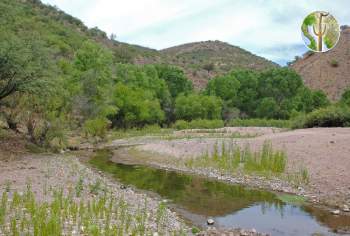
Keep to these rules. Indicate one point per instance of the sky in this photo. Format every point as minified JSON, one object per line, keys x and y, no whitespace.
{"x":268,"y":28}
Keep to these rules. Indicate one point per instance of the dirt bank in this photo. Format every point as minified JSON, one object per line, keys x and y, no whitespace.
{"x":325,"y":152}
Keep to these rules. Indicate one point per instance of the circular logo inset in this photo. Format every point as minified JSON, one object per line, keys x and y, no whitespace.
{"x":320,"y":31}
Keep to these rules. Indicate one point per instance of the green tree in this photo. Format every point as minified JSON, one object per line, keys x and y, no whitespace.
{"x":225,"y":87}
{"x":247,"y":96}
{"x":92,"y":81}
{"x":194,"y":106}
{"x":136,"y":107}
{"x":175,"y":79}
{"x":268,"y":108}
{"x":20,"y":65}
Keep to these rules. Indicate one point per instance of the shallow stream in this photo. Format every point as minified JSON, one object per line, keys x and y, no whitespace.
{"x":231,"y":206}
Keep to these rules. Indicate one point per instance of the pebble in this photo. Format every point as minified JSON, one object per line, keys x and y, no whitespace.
{"x":346,"y":208}
{"x":335,"y":212}
{"x":210,"y":221}
{"x":243,"y":233}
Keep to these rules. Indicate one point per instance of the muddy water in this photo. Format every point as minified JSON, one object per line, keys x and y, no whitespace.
{"x":231,"y":206}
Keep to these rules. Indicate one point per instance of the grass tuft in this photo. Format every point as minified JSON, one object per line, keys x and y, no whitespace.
{"x":233,"y":157}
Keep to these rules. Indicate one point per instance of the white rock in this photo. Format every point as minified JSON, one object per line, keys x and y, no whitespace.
{"x":210,"y":221}
{"x":155,"y":234}
{"x":335,"y":212}
{"x":346,"y":208}
{"x":243,"y":233}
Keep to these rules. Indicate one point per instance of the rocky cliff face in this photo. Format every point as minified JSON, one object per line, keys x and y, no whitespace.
{"x":328,"y":71}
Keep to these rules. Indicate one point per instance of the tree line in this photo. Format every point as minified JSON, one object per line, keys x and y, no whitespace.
{"x":55,"y":78}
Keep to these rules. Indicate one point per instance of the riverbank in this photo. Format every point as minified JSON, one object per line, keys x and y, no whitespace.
{"x":323,"y":152}
{"x":44,"y":180}
{"x":46,"y":175}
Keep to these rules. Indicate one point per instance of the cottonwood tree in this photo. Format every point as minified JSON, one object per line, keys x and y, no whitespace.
{"x":19,"y":66}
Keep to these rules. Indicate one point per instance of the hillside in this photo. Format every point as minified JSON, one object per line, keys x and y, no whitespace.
{"x":329,"y":71}
{"x":64,"y":34}
{"x":204,"y":60}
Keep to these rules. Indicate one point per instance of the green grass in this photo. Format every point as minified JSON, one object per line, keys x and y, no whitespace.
{"x":299,"y":178}
{"x":151,"y":130}
{"x":207,"y":133}
{"x":3,"y":133}
{"x":260,"y":123}
{"x":198,"y":124}
{"x":292,"y":199}
{"x":33,"y":148}
{"x":233,"y":157}
{"x":104,"y":214}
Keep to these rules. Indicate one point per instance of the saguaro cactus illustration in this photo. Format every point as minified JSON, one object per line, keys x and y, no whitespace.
{"x":321,"y":31}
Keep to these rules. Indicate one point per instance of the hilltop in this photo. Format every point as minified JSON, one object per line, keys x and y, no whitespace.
{"x":328,"y":71}
{"x":204,"y":60}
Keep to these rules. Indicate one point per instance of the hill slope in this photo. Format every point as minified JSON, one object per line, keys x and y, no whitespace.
{"x":64,"y":34}
{"x":329,"y":71}
{"x":204,"y":60}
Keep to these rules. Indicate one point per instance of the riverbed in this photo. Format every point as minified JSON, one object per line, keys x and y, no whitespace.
{"x":197,"y":199}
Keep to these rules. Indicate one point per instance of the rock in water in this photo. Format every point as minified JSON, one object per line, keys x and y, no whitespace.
{"x":210,"y":221}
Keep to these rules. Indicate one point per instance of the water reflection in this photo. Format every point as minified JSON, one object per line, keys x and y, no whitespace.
{"x":230,"y":205}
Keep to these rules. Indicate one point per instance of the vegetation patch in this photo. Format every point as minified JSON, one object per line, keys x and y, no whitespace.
{"x":198,"y":124}
{"x":334,"y":63}
{"x":103,"y":215}
{"x":259,"y":123}
{"x":332,"y":116}
{"x":292,"y":199}
{"x":149,"y":130}
{"x":232,"y":158}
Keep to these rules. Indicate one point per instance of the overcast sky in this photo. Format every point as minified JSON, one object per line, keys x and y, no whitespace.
{"x":268,"y":28}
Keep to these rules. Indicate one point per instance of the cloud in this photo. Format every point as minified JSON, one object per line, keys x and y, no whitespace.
{"x":269,"y":28}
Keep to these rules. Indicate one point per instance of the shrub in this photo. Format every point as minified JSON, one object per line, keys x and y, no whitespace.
{"x":345,"y":97}
{"x":198,"y":124}
{"x":259,"y":123}
{"x":332,"y":116}
{"x":96,"y":127}
{"x":45,"y":133}
{"x":334,"y":63}
{"x":181,"y":124}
